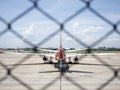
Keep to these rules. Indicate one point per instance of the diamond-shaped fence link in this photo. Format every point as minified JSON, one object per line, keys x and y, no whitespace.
{"x":87,"y":6}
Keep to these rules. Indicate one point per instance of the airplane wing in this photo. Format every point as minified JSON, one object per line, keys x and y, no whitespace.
{"x":74,"y":51}
{"x":48,"y":55}
{"x":48,"y":50}
{"x":66,"y":50}
{"x":70,"y":54}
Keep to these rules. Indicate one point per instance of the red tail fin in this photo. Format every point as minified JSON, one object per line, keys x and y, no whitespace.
{"x":60,"y":39}
{"x":60,"y":49}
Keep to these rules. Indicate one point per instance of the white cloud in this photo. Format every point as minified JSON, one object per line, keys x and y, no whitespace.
{"x":77,"y":29}
{"x":88,"y":35}
{"x":93,"y":29}
{"x":88,"y":30}
{"x":75,"y":25}
{"x":113,"y":38}
{"x":30,"y":30}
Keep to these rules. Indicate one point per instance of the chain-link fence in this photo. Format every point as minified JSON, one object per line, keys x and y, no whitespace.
{"x":87,"y":6}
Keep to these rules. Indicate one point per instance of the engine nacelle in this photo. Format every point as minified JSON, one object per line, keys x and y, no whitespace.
{"x":45,"y":58}
{"x":76,"y":59}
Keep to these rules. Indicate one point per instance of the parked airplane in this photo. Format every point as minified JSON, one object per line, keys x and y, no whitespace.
{"x":62,"y":65}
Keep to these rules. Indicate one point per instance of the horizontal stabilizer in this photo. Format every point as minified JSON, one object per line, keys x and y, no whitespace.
{"x":94,"y":64}
{"x":27,"y":64}
{"x":79,"y":71}
{"x":50,"y":71}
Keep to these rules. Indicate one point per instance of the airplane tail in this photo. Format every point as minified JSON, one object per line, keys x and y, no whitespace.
{"x":60,"y":39}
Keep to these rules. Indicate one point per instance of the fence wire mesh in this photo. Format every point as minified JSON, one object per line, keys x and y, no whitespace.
{"x":87,"y":6}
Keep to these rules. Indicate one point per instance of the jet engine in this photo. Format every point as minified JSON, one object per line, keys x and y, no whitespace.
{"x":45,"y":58}
{"x":76,"y":59}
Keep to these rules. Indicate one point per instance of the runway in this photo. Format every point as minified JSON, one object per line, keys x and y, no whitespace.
{"x":27,"y":77}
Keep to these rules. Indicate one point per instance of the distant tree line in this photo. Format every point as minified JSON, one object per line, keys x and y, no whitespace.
{"x":109,"y":48}
{"x":101,"y":49}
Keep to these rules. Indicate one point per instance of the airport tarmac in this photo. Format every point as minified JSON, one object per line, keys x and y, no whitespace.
{"x":27,"y":77}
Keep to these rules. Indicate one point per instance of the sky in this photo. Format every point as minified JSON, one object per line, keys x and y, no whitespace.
{"x":35,"y":26}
